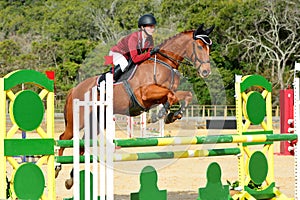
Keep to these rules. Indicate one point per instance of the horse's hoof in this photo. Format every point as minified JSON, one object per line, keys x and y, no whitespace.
{"x":57,"y":170}
{"x":69,"y":183}
{"x":169,"y":118}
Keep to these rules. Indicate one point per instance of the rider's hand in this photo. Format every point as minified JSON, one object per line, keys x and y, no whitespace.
{"x":154,"y":50}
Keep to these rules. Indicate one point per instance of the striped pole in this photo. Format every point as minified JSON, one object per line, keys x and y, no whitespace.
{"x":158,"y":155}
{"x":175,"y":154}
{"x":211,"y":139}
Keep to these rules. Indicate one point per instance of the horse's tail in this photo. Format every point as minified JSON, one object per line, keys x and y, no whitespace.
{"x":69,"y":95}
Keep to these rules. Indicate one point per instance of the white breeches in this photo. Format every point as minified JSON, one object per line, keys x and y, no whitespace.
{"x":119,"y":59}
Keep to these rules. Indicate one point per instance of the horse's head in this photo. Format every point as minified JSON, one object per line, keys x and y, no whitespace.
{"x":200,"y":50}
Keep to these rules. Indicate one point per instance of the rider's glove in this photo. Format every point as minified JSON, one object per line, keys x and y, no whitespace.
{"x":154,"y":50}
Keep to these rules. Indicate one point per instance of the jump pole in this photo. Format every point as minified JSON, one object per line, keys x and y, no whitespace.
{"x":210,"y":139}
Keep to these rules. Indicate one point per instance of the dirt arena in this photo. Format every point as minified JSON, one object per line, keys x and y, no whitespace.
{"x":180,"y":177}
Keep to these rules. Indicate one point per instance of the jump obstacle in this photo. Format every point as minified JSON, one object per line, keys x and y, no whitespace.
{"x":253,"y":106}
{"x":27,"y":111}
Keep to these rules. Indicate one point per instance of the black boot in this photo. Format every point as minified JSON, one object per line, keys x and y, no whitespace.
{"x":117,"y":72}
{"x":101,"y":78}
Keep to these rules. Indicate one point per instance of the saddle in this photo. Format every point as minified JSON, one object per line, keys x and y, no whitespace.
{"x":128,"y":73}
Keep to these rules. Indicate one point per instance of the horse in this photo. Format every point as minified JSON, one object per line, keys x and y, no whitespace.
{"x":154,"y":81}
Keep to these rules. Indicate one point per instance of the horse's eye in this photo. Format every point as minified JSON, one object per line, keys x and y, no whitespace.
{"x":200,"y":47}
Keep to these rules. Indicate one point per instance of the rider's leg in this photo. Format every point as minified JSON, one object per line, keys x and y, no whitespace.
{"x":117,"y":72}
{"x":120,"y":63}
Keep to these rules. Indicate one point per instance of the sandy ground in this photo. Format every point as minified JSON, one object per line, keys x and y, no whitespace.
{"x":180,"y":177}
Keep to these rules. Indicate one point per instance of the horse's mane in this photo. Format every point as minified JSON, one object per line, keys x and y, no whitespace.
{"x":174,"y":36}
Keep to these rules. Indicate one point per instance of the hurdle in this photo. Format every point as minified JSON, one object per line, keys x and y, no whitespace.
{"x":255,"y":107}
{"x":27,"y":111}
{"x":106,"y":151}
{"x":107,"y":142}
{"x":246,"y":102}
{"x":105,"y":104}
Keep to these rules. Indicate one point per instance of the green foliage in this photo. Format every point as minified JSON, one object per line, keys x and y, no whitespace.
{"x":72,"y":37}
{"x":233,"y":185}
{"x":254,"y":186}
{"x":214,"y":89}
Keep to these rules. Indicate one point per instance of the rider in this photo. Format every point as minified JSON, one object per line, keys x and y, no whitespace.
{"x":135,"y":47}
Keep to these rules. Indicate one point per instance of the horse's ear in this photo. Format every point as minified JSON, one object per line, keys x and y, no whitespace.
{"x":198,"y":31}
{"x":209,"y":30}
{"x":200,"y":28}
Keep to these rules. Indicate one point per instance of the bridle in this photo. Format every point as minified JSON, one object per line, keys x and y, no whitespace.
{"x":196,"y":57}
{"x":190,"y":59}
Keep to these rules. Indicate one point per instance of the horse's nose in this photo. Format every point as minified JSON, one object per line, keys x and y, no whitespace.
{"x":205,"y":73}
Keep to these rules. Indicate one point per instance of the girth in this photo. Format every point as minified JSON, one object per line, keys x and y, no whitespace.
{"x":135,"y":108}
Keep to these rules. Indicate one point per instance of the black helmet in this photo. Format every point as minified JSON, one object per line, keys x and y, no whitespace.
{"x":147,"y":19}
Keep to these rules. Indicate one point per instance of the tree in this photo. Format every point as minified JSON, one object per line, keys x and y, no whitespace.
{"x":272,"y":43}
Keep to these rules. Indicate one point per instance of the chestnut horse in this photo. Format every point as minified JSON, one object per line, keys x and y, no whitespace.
{"x":154,"y":82}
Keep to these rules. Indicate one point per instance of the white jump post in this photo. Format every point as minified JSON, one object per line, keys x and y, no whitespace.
{"x":143,"y":126}
{"x":143,"y":119}
{"x":130,"y":127}
{"x":297,"y":126}
{"x":106,"y":145}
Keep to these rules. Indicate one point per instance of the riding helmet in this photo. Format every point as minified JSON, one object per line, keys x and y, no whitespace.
{"x":147,"y":19}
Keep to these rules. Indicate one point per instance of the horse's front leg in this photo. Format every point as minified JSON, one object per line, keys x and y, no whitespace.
{"x":164,"y":110}
{"x":184,"y":96}
{"x":187,"y":98}
{"x":159,"y":95}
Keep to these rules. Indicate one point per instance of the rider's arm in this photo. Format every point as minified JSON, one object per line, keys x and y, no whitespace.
{"x":133,"y":48}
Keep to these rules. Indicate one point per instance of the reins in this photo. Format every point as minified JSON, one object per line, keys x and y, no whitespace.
{"x":177,"y":62}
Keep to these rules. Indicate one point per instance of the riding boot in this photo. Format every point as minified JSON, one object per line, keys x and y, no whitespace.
{"x":101,"y":78}
{"x":117,"y":73}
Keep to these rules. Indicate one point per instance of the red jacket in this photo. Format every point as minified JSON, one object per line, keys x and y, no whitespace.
{"x":131,"y":47}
